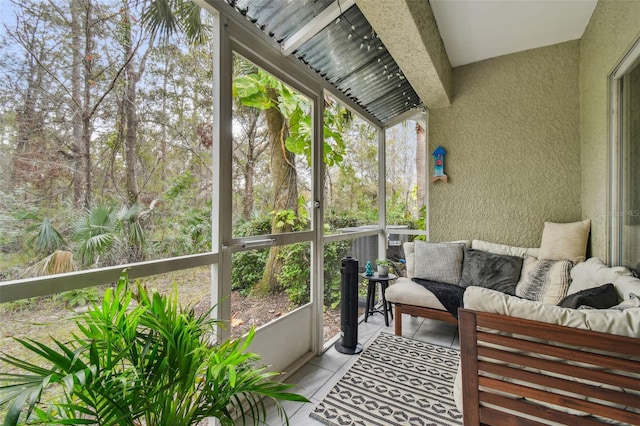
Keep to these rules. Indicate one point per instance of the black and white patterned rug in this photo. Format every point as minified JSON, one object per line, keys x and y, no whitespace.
{"x":396,"y":381}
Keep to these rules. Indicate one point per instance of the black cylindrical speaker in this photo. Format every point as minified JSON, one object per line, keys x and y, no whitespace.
{"x":348,"y":343}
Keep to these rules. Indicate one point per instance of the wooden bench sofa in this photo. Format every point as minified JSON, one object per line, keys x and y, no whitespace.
{"x":413,"y":299}
{"x":517,"y":371}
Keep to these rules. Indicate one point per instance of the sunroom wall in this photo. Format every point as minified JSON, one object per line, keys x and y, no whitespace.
{"x":512,"y":136}
{"x":612,"y":30}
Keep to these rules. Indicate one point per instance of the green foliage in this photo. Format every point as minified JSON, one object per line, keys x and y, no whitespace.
{"x":14,"y":212}
{"x":421,"y":222}
{"x":180,"y":185}
{"x":191,"y":232}
{"x":18,"y":305}
{"x":139,"y":358}
{"x":247,"y":267}
{"x":198,"y":228}
{"x":171,"y":16}
{"x":188,"y":229}
{"x":295,"y":221}
{"x":333,"y":254}
{"x":253,"y":90}
{"x":96,"y":233}
{"x":103,"y":230}
{"x":284,"y":218}
{"x":258,"y":226}
{"x":338,"y":221}
{"x":78,"y":298}
{"x":127,"y":223}
{"x":296,"y":272}
{"x":48,"y":238}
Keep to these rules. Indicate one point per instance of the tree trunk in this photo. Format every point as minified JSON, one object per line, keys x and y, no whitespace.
{"x":163,"y":141}
{"x":285,"y":191}
{"x":130,"y":119}
{"x":87,"y":129}
{"x":81,"y":81}
{"x":249,"y":187}
{"x":76,"y":89}
{"x":252,"y":115}
{"x":421,"y":164}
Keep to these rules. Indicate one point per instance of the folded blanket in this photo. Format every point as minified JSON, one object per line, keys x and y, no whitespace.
{"x":449,"y":295}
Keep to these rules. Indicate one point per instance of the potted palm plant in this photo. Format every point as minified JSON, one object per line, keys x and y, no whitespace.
{"x":138,"y":358}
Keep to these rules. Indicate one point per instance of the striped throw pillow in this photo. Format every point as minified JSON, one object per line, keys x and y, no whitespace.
{"x":544,"y":280}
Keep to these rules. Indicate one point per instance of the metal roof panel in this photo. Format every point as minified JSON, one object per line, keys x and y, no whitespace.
{"x":347,"y":52}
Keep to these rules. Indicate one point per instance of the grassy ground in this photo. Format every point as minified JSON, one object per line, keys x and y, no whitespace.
{"x":40,"y":318}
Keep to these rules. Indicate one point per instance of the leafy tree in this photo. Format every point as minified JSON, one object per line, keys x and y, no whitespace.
{"x":290,"y":133}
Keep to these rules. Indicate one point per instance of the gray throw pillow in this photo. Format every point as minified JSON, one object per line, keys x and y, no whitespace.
{"x":489,"y":270}
{"x":440,"y":262}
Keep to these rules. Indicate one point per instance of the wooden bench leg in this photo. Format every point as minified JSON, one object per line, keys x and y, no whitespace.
{"x":398,"y":320}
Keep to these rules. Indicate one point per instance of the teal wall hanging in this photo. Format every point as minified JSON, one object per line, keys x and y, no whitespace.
{"x":438,"y":165}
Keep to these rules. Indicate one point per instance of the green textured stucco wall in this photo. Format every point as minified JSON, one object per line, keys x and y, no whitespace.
{"x":512,"y":136}
{"x":612,"y":30}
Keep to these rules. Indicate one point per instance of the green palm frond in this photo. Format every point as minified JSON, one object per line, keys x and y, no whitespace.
{"x":127,"y":221}
{"x":96,"y":232}
{"x":48,"y":239}
{"x":167,"y":17}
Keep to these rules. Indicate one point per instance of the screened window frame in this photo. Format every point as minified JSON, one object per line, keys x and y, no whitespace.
{"x":617,"y":151}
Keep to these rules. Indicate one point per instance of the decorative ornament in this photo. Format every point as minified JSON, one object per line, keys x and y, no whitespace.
{"x":368,"y":270}
{"x":438,"y":165}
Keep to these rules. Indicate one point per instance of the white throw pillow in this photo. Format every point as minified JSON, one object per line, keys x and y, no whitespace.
{"x":543,"y":280}
{"x":594,"y":273}
{"x":562,"y":241}
{"x":627,"y":285}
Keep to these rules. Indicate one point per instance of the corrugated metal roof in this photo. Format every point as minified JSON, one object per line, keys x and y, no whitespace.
{"x":346,"y":52}
{"x":280,"y":18}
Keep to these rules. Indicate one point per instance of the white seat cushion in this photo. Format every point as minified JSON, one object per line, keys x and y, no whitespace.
{"x":407,"y":292}
{"x":622,"y":323}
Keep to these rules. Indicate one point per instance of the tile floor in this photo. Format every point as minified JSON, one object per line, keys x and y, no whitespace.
{"x":316,"y":378}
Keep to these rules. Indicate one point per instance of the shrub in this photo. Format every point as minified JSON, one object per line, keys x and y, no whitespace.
{"x":248,"y":266}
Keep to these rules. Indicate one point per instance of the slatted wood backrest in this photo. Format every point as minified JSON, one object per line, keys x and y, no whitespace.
{"x":497,"y":373}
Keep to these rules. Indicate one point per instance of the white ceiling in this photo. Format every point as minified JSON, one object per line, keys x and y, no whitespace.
{"x":474,"y":30}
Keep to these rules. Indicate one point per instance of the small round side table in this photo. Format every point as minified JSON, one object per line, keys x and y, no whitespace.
{"x":371,"y":295}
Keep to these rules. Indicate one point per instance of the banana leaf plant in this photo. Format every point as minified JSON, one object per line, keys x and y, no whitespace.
{"x":139,"y":358}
